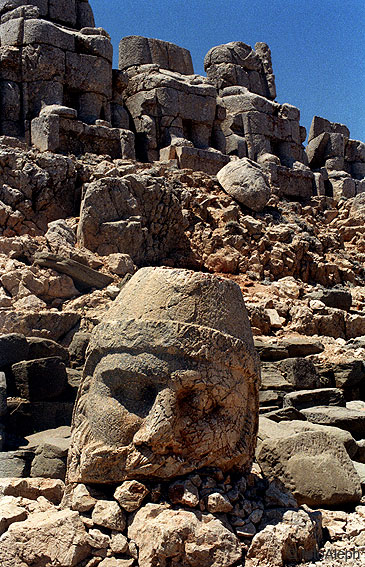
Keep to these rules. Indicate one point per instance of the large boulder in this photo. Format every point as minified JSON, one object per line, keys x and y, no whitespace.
{"x":182,"y":537}
{"x":170,"y":384}
{"x":45,"y":538}
{"x":344,"y":418}
{"x":138,"y":215}
{"x":245,"y":181}
{"x":313,"y":466}
{"x":295,"y":539}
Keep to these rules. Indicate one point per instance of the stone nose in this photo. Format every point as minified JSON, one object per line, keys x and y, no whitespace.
{"x":158,"y":430}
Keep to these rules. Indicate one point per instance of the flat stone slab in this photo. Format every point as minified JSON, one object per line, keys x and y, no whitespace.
{"x":273,"y":379}
{"x":308,"y":398}
{"x":314,"y":466}
{"x":83,"y":276}
{"x":344,"y":418}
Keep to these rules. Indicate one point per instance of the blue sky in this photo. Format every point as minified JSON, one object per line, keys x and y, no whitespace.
{"x":318,"y":46}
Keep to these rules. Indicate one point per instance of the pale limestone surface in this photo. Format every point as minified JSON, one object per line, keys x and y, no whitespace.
{"x":182,"y":538}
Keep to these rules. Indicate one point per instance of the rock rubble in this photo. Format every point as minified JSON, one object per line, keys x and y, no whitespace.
{"x":151,"y":221}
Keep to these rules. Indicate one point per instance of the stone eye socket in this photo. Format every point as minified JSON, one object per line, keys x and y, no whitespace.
{"x":136,"y":396}
{"x":135,"y":392}
{"x":198,"y":403}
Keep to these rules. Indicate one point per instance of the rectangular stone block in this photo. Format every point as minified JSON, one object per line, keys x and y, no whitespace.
{"x":3,"y":395}
{"x":197,"y":108}
{"x":200,"y":160}
{"x":98,"y":45}
{"x":45,"y":133}
{"x":355,"y":151}
{"x":63,"y":11}
{"x":10,"y":63}
{"x":41,"y":31}
{"x":335,"y":146}
{"x":295,"y":182}
{"x":246,"y":102}
{"x":43,"y":63}
{"x":315,"y":150}
{"x":40,"y":93}
{"x":89,"y":74}
{"x":289,"y":111}
{"x":11,"y":32}
{"x":85,"y":16}
{"x":343,"y":187}
{"x":320,"y":125}
{"x":15,"y":464}
{"x":358,"y":170}
{"x":360,"y":186}
{"x":256,"y":83}
{"x":10,"y":100}
{"x":138,"y":50}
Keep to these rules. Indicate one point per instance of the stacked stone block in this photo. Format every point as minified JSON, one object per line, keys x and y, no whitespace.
{"x":339,"y":162}
{"x":51,"y":55}
{"x":168,"y":104}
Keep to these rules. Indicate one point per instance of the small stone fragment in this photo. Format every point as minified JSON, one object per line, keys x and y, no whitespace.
{"x":131,"y":494}
{"x":109,"y":514}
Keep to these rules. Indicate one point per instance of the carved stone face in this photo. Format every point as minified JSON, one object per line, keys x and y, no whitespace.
{"x":162,"y":397}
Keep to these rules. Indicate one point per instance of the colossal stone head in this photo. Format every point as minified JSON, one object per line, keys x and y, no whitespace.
{"x":170,"y":383}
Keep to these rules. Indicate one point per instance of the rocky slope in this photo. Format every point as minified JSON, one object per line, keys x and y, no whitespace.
{"x":222,"y":185}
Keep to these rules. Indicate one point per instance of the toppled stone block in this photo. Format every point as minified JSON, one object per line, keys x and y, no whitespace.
{"x":13,"y":348}
{"x":210,"y":162}
{"x":49,"y":462}
{"x":300,"y":372}
{"x":320,"y":125}
{"x":297,"y":183}
{"x":48,"y":324}
{"x":351,"y":420}
{"x":320,"y":397}
{"x":313,"y":466}
{"x":15,"y":464}
{"x":41,"y":379}
{"x":83,"y":276}
{"x":45,"y":348}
